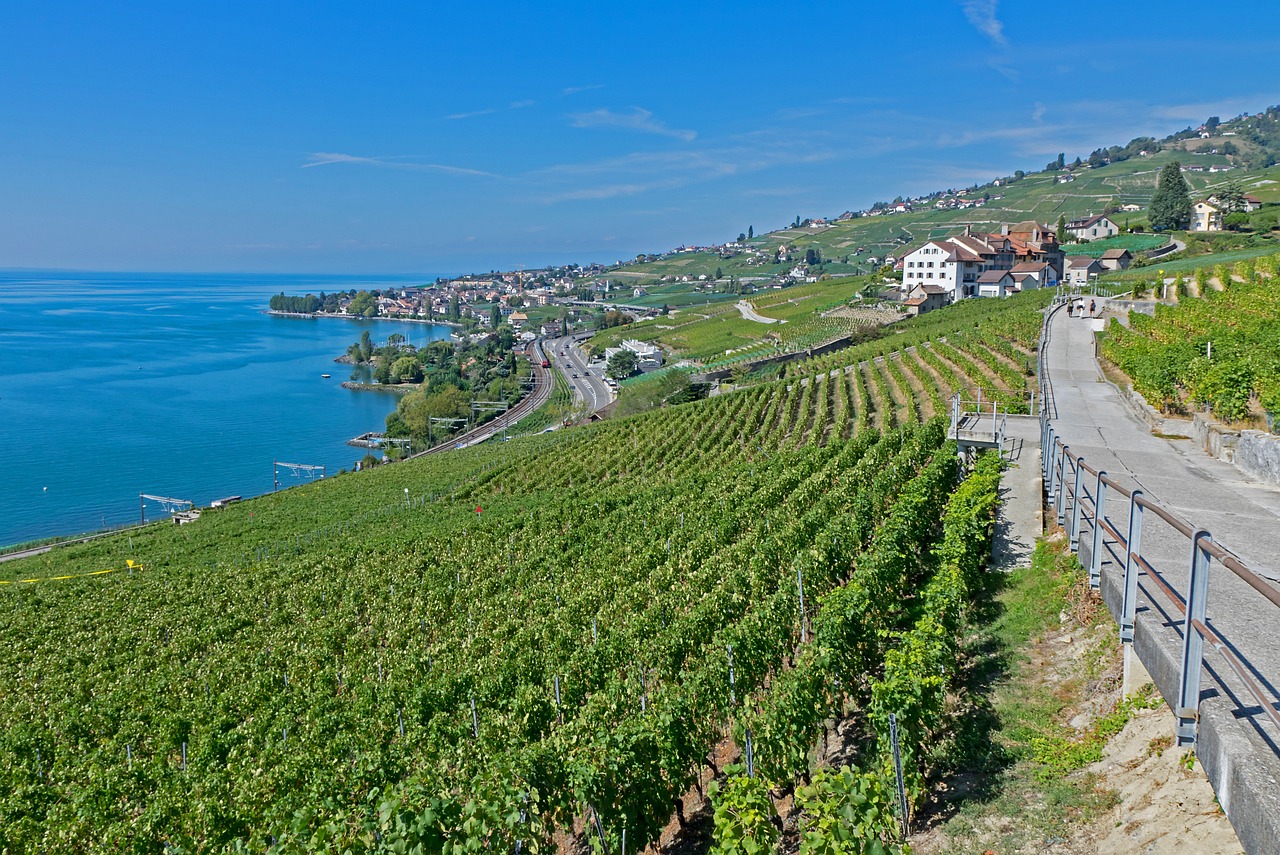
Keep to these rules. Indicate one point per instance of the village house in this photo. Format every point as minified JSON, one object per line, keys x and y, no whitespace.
{"x":956,"y":264}
{"x":1205,"y":217}
{"x":924,"y":298}
{"x":1093,"y":227}
{"x":996,"y":283}
{"x":1081,"y":269}
{"x":1029,"y":275}
{"x":1116,"y":259}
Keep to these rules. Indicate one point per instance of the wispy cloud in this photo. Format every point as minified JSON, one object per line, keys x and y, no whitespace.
{"x":330,"y":158}
{"x":982,"y":14}
{"x":642,"y":172}
{"x":574,"y":90}
{"x":518,"y":105}
{"x":471,"y":114}
{"x":1038,"y":113}
{"x":637,"y":119}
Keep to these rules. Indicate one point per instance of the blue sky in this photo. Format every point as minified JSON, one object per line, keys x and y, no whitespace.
{"x":441,"y":138}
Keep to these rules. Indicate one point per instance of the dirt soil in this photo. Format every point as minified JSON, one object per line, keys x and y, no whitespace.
{"x":1161,"y":803}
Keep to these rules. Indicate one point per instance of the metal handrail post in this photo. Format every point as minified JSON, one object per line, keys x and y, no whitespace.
{"x":1046,"y":457}
{"x":1075,"y":505}
{"x":1060,"y":504}
{"x":1133,"y":548}
{"x":1188,"y":711}
{"x":1099,"y":514}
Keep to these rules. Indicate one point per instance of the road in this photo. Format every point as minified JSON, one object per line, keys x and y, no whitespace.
{"x":586,"y":379}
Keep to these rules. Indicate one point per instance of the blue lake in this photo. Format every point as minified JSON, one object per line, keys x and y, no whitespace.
{"x":169,"y":384}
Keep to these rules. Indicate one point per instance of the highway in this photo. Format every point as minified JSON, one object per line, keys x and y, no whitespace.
{"x":586,"y":379}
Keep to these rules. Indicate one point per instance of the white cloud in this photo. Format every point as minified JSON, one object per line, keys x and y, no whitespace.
{"x":574,"y":90}
{"x":471,"y":114}
{"x":638,"y":119}
{"x":982,"y":14}
{"x":1038,"y":113}
{"x":330,"y":158}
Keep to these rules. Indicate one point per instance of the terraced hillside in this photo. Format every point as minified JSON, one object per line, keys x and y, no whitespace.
{"x":492,"y":647}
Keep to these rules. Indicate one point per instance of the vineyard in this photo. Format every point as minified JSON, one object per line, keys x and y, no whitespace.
{"x":1220,"y":351}
{"x":500,"y":648}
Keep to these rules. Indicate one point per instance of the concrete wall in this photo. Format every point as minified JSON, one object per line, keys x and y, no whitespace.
{"x":1257,"y":453}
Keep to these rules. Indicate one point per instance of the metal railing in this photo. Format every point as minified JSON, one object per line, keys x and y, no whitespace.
{"x":983,"y":426}
{"x":1067,"y":495}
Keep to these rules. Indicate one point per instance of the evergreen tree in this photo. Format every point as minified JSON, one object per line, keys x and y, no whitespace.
{"x":1062,"y":228}
{"x":495,"y":316}
{"x":1171,"y":204}
{"x":751,"y":232}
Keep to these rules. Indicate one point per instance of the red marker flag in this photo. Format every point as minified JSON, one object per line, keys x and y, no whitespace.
{"x":478,"y":509}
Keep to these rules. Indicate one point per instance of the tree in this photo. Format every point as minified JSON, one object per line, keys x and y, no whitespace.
{"x":364,"y":304}
{"x":406,"y":369}
{"x":1236,"y":220}
{"x":366,"y":346}
{"x":1231,"y":198}
{"x":455,"y":314}
{"x":622,"y":364}
{"x":751,"y":232}
{"x":1212,"y":124}
{"x":719,"y":273}
{"x":495,"y":316}
{"x":1171,"y":204}
{"x":1062,"y":228}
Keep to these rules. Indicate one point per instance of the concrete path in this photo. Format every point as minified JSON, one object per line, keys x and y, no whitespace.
{"x":1238,"y":745}
{"x":1020,"y":517}
{"x":749,"y":313}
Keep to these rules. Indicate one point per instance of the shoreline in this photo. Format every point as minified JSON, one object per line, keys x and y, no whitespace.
{"x":313,"y":315}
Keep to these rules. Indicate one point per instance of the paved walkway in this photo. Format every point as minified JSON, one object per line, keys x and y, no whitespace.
{"x":1020,"y":517}
{"x":1239,"y":746}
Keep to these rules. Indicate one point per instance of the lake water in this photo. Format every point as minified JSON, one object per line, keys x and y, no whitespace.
{"x":172,"y":385}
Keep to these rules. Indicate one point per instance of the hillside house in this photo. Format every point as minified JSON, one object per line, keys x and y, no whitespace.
{"x":996,"y":283}
{"x":924,"y":298}
{"x":1116,"y":259}
{"x":1205,"y":217}
{"x":1081,"y":269}
{"x":1028,"y":275}
{"x":955,"y":264}
{"x":1093,"y":227}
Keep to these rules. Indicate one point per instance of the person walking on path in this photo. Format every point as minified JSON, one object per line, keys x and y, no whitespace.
{"x":1093,"y":308}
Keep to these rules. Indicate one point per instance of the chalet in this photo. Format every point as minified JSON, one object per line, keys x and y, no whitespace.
{"x":1116,"y":259}
{"x":518,"y":318}
{"x":1082,"y":268}
{"x":1205,"y":217}
{"x":1093,"y":227}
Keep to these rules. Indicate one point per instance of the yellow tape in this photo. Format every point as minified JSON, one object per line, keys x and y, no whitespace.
{"x":68,"y":576}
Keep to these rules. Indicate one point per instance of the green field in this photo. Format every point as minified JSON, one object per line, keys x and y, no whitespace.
{"x":1134,"y":243}
{"x":717,"y":332}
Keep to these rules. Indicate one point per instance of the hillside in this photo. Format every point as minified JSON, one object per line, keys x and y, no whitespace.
{"x":493,"y":645}
{"x":1246,"y":147}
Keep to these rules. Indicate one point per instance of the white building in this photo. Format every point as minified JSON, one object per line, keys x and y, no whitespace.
{"x":1095,"y":227}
